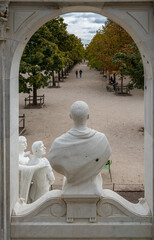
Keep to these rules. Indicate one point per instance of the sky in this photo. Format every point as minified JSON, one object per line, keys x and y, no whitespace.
{"x":84,"y":25}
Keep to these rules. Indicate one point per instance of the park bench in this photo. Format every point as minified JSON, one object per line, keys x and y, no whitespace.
{"x":122,"y":90}
{"x":29,"y":101}
{"x":109,"y":89}
{"x":107,"y":166}
{"x":21,"y":124}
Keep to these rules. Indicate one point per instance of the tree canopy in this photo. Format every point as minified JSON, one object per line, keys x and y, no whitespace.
{"x":48,"y":50}
{"x":106,"y":43}
{"x":130,"y":64}
{"x":113,"y":49}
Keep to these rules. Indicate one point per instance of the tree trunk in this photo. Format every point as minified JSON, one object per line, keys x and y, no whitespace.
{"x":53,"y":80}
{"x":122,"y":84}
{"x":59,"y":76}
{"x":34,"y":95}
{"x":62,"y":73}
{"x":114,"y":77}
{"x":65,"y":71}
{"x":109,"y":77}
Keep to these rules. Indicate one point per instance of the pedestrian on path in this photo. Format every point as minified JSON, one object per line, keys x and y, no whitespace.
{"x":76,"y":73}
{"x":80,"y":73}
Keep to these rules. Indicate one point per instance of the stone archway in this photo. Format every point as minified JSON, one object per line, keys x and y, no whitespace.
{"x":17,"y":26}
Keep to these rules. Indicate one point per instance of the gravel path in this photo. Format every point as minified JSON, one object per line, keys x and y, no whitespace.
{"x":119,"y":117}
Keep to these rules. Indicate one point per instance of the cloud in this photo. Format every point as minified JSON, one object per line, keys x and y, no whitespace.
{"x":86,"y":28}
{"x":84,"y":25}
{"x":73,"y":22}
{"x":102,"y":21}
{"x":92,"y":31}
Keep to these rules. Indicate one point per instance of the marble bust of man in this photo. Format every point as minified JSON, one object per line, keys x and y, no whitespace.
{"x":43,"y":178}
{"x":80,"y":154}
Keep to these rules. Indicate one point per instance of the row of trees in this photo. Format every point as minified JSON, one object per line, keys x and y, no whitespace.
{"x":112,"y":49}
{"x":49,"y":50}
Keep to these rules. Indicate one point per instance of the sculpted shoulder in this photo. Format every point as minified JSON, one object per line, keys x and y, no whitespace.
{"x":61,"y":140}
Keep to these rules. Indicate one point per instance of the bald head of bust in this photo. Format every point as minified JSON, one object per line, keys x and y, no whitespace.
{"x":79,"y":113}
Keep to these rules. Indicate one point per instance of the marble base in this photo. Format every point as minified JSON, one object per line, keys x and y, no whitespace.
{"x":81,"y":208}
{"x":73,"y":217}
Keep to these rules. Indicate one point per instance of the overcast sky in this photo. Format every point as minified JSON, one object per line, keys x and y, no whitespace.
{"x":84,"y":25}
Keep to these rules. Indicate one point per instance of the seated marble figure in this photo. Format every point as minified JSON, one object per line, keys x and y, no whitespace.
{"x":80,"y":155}
{"x":43,"y":178}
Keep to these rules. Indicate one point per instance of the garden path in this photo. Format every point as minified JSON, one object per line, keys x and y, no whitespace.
{"x":119,"y":117}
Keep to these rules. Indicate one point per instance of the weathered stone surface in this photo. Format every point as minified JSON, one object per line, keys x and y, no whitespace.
{"x":81,"y":217}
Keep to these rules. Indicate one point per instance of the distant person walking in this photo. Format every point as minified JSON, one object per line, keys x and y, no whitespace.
{"x":76,"y":74}
{"x":80,"y":73}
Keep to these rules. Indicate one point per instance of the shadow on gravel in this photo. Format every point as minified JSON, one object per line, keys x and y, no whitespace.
{"x":132,"y":196}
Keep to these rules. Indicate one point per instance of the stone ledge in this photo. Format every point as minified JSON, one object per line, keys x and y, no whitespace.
{"x":117,"y":187}
{"x":80,"y":231}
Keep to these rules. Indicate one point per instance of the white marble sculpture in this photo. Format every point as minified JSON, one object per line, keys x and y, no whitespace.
{"x":80,"y":155}
{"x":27,"y":169}
{"x":25,"y":172}
{"x":43,"y":178}
{"x":23,"y":156}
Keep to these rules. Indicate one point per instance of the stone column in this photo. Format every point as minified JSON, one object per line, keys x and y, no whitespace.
{"x":149,"y":125}
{"x":8,"y":184}
{"x":4,"y":150}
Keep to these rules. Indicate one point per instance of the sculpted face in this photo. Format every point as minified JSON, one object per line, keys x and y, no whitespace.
{"x":22,"y":143}
{"x":42,"y":149}
{"x":38,"y":148}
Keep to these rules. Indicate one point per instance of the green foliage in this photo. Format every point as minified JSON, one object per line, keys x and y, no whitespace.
{"x":130,"y":64}
{"x":76,"y":49}
{"x":48,"y":50}
{"x":114,"y":50}
{"x":67,"y":43}
{"x":105,"y":44}
{"x":39,"y":59}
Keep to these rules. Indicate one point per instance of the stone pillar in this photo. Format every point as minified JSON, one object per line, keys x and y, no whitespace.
{"x":149,"y":126}
{"x":4,"y":120}
{"x":4,"y":151}
{"x":8,"y":129}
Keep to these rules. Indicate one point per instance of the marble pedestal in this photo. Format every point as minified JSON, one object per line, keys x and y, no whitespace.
{"x":55,"y":216}
{"x":81,"y":208}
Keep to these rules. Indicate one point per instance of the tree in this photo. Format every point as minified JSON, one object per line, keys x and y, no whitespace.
{"x":39,"y":59}
{"x":93,"y":51}
{"x":50,"y":49}
{"x":105,"y":44}
{"x":130,"y":64}
{"x":67,"y":43}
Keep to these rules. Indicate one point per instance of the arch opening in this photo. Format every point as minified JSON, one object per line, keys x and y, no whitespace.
{"x":42,"y":20}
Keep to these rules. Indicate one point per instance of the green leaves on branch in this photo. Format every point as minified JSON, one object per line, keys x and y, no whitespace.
{"x":48,"y":50}
{"x":130,"y":64}
{"x":106,"y":43}
{"x":113,"y":49}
